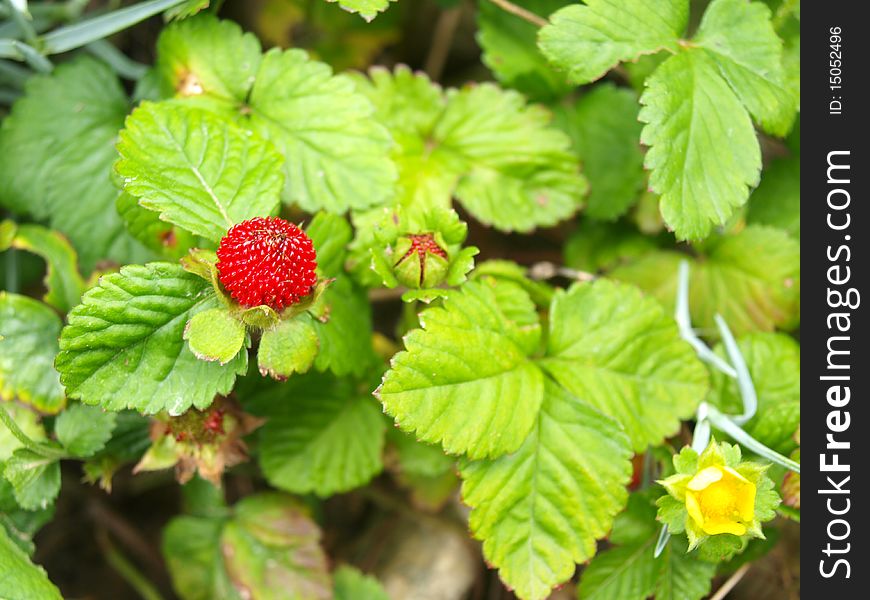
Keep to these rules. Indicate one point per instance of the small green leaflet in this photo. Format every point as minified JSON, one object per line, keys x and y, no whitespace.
{"x":740,"y":37}
{"x":618,"y":351}
{"x":540,"y":509}
{"x":728,"y":279}
{"x":267,"y":548}
{"x":188,"y":8}
{"x":588,"y":39}
{"x":774,"y":363}
{"x":510,"y":52}
{"x":465,"y":379}
{"x":321,"y":435}
{"x":35,"y":478}
{"x":335,"y":155}
{"x":367,"y":9}
{"x":703,"y":156}
{"x":29,"y":331}
{"x":84,"y":430}
{"x":507,"y":166}
{"x":63,"y":282}
{"x":123,"y":346}
{"x":74,"y":112}
{"x":199,"y":171}
{"x":215,"y":334}
{"x":22,"y":580}
{"x":604,"y":128}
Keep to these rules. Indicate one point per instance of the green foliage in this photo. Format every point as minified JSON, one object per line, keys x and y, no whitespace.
{"x":84,"y":430}
{"x":142,"y":311}
{"x":629,"y":571}
{"x":22,"y":580}
{"x":774,"y":363}
{"x":540,"y":509}
{"x":73,"y":113}
{"x":335,"y":160}
{"x":509,"y":49}
{"x":322,"y":435}
{"x":698,"y":105}
{"x":28,"y":345}
{"x":506,"y":165}
{"x":350,"y":584}
{"x":34,"y":477}
{"x":269,"y":548}
{"x":729,"y":279}
{"x":777,"y":199}
{"x":367,"y":9}
{"x":619,"y":352}
{"x":215,"y":334}
{"x":197,"y":170}
{"x":604,"y":128}
{"x":465,"y":379}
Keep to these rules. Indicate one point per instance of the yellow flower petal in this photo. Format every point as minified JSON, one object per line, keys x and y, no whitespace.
{"x":705,"y":478}
{"x":717,"y":527}
{"x":694,"y":508}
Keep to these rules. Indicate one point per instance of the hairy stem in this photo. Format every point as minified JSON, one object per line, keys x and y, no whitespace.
{"x":520,"y":12}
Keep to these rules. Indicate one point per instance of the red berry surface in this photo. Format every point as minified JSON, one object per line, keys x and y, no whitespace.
{"x":267,"y":261}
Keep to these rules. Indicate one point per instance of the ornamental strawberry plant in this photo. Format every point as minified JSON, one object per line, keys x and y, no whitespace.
{"x":394,"y":299}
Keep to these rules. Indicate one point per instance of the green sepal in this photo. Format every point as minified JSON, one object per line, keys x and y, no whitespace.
{"x":203,"y":263}
{"x":215,"y":334}
{"x":288,"y":348}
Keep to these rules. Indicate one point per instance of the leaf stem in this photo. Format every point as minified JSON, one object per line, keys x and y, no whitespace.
{"x":84,"y":32}
{"x":22,"y":21}
{"x":126,"y":569}
{"x":684,"y":322}
{"x":25,"y":440}
{"x":120,"y":63}
{"x":520,"y":12}
{"x":725,"y":424}
{"x":744,"y":379}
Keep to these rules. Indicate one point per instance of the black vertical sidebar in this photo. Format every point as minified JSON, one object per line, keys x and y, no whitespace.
{"x":835,"y":341}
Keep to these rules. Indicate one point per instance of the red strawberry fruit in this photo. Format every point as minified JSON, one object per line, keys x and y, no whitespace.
{"x":267,"y":261}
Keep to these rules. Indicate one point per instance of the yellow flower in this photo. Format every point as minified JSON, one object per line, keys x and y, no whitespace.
{"x":721,"y":500}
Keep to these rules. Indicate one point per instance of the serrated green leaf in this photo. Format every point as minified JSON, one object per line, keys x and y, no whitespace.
{"x":344,"y":330}
{"x":510,"y":51}
{"x":58,"y":148}
{"x":288,"y":348}
{"x":367,"y":9}
{"x":28,"y":344}
{"x":162,"y":238}
{"x":199,"y":171}
{"x":751,"y":295}
{"x":330,"y":235}
{"x":215,"y":334}
{"x":350,"y":584}
{"x":84,"y":430}
{"x":622,"y":573}
{"x":703,"y":156}
{"x":206,"y":60}
{"x":272,"y":550}
{"x":123,"y":346}
{"x":540,"y":509}
{"x":335,"y":155}
{"x":746,"y":49}
{"x":465,"y":379}
{"x":520,"y":172}
{"x":22,"y":580}
{"x":586,"y":40}
{"x":321,"y":435}
{"x":619,"y":352}
{"x":774,"y":363}
{"x":63,"y":282}
{"x":35,"y":478}
{"x":507,"y":166}
{"x":604,"y":128}
{"x":683,"y":576}
{"x":777,"y":199}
